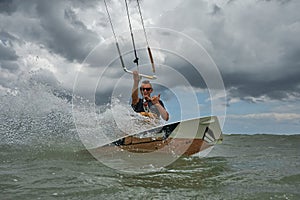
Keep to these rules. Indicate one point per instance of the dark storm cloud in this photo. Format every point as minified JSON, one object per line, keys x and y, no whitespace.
{"x":6,"y":46}
{"x":7,"y":53}
{"x":64,"y":34}
{"x":6,"y":37}
{"x":6,"y":6}
{"x":52,"y":24}
{"x":9,"y":65}
{"x":84,"y":3}
{"x":254,"y":44}
{"x":278,"y":79}
{"x":243,"y":86}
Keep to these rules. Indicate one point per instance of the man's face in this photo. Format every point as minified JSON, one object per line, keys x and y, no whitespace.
{"x":146,"y":90}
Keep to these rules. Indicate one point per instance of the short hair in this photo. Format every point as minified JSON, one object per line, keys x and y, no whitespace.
{"x":146,"y":82}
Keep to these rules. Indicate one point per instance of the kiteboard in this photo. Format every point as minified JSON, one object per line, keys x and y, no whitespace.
{"x":187,"y":137}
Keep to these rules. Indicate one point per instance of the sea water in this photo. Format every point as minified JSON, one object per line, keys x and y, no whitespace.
{"x":42,"y":156}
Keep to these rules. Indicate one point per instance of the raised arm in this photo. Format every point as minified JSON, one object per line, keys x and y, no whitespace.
{"x":135,"y":88}
{"x":163,"y":112}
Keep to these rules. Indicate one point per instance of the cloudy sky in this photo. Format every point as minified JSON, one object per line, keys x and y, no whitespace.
{"x":254,"y":45}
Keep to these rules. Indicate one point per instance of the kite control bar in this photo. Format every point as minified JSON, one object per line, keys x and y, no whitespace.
{"x":153,"y":77}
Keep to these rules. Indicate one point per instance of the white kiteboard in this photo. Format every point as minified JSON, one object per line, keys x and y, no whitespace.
{"x":185,"y":137}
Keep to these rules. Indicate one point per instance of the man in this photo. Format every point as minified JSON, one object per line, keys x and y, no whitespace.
{"x":149,"y":106}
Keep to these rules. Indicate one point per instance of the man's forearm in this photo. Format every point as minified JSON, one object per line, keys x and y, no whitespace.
{"x":135,"y":92}
{"x":164,"y":114}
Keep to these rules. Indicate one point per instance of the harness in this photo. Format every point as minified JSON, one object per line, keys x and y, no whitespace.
{"x":145,"y":105}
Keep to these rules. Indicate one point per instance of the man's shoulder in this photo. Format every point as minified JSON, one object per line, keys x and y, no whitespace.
{"x":138,"y":102}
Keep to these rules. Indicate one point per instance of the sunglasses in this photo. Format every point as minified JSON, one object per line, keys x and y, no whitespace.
{"x":147,"y":89}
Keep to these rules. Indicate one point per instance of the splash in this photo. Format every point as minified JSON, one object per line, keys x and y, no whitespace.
{"x":100,"y":125}
{"x":39,"y":115}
